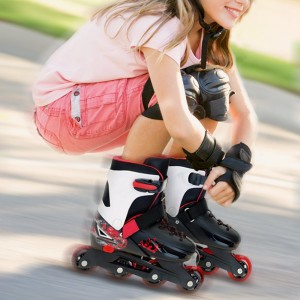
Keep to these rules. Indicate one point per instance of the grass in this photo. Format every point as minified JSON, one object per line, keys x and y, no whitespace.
{"x":54,"y":17}
{"x":37,"y":16}
{"x":268,"y":69}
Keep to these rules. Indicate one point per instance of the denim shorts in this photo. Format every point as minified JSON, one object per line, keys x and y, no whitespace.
{"x":92,"y":117}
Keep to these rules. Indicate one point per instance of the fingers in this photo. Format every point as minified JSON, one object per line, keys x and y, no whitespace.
{"x":213,"y":175}
{"x":222,"y":193}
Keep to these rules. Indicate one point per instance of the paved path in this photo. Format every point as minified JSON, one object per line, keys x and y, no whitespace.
{"x":47,"y":199}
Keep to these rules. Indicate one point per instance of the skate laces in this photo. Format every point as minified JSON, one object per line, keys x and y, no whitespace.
{"x":219,"y":222}
{"x":164,"y":224}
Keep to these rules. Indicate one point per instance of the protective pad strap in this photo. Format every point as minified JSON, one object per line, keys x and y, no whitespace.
{"x":234,"y":179}
{"x":238,"y":158}
{"x":147,"y":94}
{"x":152,"y":112}
{"x":208,"y":154}
{"x":237,"y":163}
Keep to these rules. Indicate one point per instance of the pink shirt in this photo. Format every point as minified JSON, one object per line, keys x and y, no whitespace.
{"x":95,"y":55}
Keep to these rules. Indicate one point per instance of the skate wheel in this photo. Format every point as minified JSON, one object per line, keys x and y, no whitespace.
{"x":246,"y":267}
{"x":77,"y":263}
{"x":206,"y":267}
{"x":197,"y":279}
{"x":210,"y":271}
{"x":120,"y":274}
{"x":154,"y":283}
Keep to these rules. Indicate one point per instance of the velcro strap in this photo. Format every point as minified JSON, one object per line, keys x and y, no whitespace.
{"x":198,"y":164}
{"x":143,"y":221}
{"x":193,"y":212}
{"x":197,"y":179}
{"x":234,"y":179}
{"x":236,"y":164}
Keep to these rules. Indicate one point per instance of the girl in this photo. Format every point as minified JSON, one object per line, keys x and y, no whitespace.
{"x":119,"y":81}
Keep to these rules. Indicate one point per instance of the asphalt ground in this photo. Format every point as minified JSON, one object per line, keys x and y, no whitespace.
{"x":47,"y":199}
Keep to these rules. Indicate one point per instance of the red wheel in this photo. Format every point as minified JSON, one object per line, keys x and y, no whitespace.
{"x":246,"y":266}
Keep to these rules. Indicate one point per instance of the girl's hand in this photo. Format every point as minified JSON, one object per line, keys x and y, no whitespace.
{"x":221,"y":192}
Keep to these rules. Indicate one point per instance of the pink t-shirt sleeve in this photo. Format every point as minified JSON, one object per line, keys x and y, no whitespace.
{"x":139,"y":34}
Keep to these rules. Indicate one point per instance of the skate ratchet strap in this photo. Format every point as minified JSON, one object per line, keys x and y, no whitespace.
{"x":149,"y":186}
{"x":191,"y":213}
{"x":143,"y":221}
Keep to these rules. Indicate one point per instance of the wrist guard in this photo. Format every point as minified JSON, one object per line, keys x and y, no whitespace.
{"x":237,"y":163}
{"x":209,"y":154}
{"x":214,"y":93}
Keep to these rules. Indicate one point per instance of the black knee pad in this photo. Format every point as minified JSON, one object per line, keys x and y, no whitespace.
{"x":214,"y":92}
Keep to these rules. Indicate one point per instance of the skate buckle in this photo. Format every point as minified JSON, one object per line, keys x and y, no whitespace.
{"x":148,"y":186}
{"x":188,"y":214}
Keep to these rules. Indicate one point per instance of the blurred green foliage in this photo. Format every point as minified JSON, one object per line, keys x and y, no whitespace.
{"x":270,"y":70}
{"x":39,"y":17}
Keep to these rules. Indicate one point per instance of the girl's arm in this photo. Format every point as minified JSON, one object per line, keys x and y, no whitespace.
{"x":166,"y":79}
{"x":243,"y":130}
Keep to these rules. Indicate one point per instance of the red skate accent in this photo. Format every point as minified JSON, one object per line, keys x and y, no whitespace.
{"x":144,"y":186}
{"x":151,"y":245}
{"x":194,"y":268}
{"x":207,"y":250}
{"x":117,"y":242}
{"x":130,"y":228}
{"x":108,"y":249}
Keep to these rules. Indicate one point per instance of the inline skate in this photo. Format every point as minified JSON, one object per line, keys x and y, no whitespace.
{"x":187,"y":210}
{"x":130,"y":234}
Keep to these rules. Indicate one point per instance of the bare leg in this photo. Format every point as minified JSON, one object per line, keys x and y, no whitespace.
{"x":146,"y":138}
{"x":149,"y":137}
